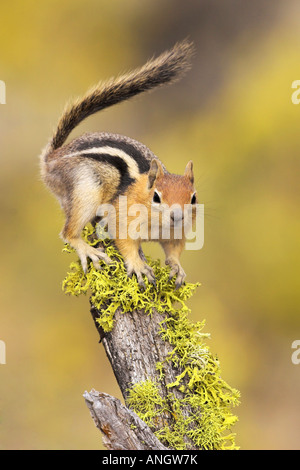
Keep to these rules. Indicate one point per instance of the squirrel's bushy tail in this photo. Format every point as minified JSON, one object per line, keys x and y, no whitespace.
{"x":166,"y":68}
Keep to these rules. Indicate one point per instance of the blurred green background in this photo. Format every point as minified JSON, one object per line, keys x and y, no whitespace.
{"x":233,"y":116}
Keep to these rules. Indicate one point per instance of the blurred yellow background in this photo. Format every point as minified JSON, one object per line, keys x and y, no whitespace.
{"x":233,"y":116}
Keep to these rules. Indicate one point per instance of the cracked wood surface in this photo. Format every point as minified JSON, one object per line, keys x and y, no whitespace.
{"x":134,"y":347}
{"x":121,"y":428}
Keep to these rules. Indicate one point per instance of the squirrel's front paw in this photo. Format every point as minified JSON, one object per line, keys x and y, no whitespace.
{"x":139,"y":271}
{"x":95,"y":254}
{"x":176,"y":270}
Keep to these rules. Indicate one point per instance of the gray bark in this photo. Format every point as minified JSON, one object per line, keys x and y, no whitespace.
{"x":134,"y":346}
{"x":121,"y":428}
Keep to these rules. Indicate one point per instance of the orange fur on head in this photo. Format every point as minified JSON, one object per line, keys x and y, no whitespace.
{"x":175,"y":189}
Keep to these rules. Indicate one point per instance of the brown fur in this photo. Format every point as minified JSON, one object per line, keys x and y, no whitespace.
{"x":174,"y":189}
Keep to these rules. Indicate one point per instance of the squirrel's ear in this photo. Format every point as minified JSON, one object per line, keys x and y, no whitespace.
{"x":154,"y":172}
{"x":189,"y":171}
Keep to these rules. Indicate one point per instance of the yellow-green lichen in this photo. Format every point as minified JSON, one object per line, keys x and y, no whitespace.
{"x":204,"y":393}
{"x":111,"y":288}
{"x":208,"y":398}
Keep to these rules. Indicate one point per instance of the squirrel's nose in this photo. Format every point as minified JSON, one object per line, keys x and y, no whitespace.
{"x":176,"y":215}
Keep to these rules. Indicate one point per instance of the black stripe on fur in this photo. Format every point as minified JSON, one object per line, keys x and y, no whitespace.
{"x":118,"y":162}
{"x":130,"y":150}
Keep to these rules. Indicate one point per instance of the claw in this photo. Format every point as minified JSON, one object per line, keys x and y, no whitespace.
{"x":176,"y":269}
{"x":95,"y":254}
{"x":83,"y":261}
{"x":142,"y":285}
{"x":139,"y":279}
{"x":153,"y":282}
{"x":179,"y":283}
{"x":139,"y":271}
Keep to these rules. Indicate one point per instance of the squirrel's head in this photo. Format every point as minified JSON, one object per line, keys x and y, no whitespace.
{"x":171,"y":193}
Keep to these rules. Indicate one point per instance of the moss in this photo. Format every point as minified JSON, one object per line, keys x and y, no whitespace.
{"x":203,"y":390}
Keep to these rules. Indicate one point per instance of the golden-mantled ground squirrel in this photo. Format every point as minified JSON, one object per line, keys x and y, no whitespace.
{"x":96,"y":168}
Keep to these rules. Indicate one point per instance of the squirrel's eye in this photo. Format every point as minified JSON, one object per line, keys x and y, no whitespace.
{"x":156,"y":197}
{"x":193,"y":200}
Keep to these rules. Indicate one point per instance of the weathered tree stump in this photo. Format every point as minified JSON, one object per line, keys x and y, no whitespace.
{"x":134,"y":348}
{"x":121,"y":428}
{"x":171,"y":383}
